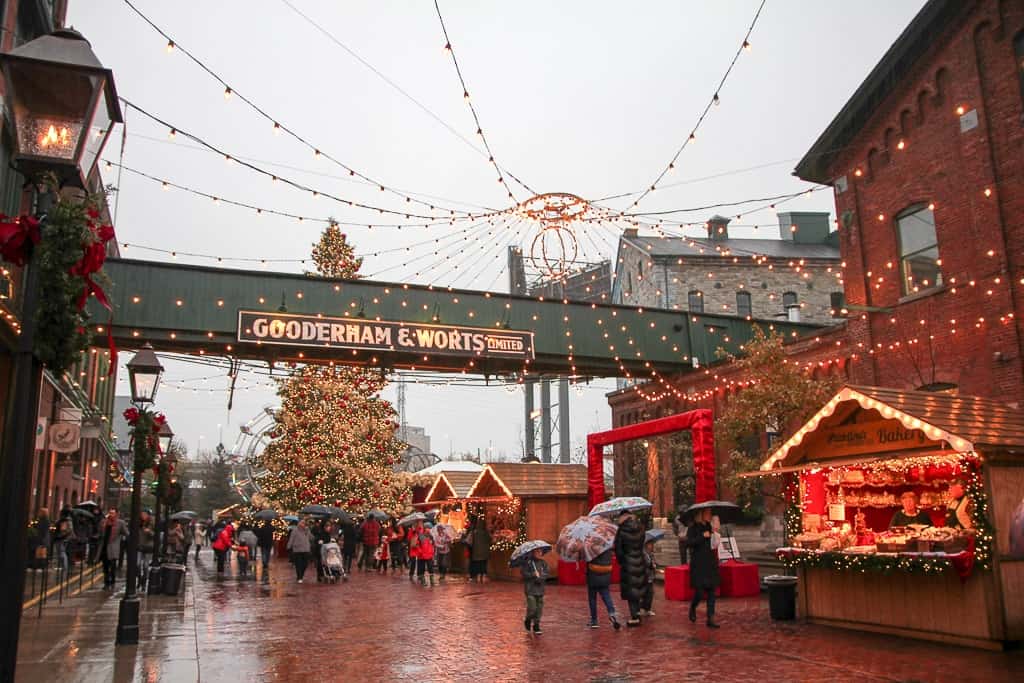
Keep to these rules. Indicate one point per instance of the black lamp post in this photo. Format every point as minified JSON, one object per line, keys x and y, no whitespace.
{"x":166,"y":436}
{"x":62,"y":106}
{"x":144,"y":372}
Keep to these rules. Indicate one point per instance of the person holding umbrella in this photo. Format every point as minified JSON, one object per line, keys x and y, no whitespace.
{"x":530,"y":557}
{"x":629,"y":550}
{"x":265,"y":538}
{"x":300,"y":543}
{"x":703,"y":564}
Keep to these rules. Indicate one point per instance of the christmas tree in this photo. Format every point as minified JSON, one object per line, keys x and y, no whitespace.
{"x":335,"y":440}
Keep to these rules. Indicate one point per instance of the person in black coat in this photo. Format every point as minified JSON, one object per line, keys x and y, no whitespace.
{"x":265,"y":540}
{"x":629,"y":550}
{"x":703,"y":565}
{"x":348,"y":545}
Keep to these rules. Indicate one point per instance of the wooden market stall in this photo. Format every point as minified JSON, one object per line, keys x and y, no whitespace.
{"x":952,"y":574}
{"x":526,"y":501}
{"x":447,"y":495}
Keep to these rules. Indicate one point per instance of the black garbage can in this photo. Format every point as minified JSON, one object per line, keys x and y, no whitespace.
{"x":781,"y":597}
{"x":173,"y":577}
{"x":154,"y":582}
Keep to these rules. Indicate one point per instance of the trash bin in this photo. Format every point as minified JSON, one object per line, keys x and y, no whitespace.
{"x":173,"y":577}
{"x":154,"y":581}
{"x":781,"y":597}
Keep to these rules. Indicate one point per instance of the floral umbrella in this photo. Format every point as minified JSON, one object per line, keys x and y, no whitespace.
{"x":523,"y":551}
{"x":412,"y":519}
{"x":621,"y":504}
{"x":447,"y":531}
{"x":585,"y":539}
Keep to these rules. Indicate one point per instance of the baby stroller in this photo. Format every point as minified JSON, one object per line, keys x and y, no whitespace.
{"x":334,"y":567}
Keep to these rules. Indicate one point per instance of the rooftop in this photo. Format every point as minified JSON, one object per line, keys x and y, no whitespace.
{"x":536,"y":479}
{"x":700,"y":247}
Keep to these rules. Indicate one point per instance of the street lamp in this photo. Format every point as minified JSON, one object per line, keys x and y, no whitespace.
{"x":144,"y":372}
{"x":53,"y":82}
{"x":166,"y":435}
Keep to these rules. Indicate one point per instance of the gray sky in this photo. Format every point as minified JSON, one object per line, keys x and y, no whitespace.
{"x":591,"y":98}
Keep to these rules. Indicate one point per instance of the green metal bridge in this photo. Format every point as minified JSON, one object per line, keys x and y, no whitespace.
{"x":281,"y":317}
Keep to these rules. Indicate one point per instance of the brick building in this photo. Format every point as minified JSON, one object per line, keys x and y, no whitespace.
{"x":84,"y":395}
{"x":926,"y":162}
{"x":796,"y":277}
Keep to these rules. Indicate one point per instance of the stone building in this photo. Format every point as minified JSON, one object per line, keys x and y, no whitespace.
{"x":796,"y":277}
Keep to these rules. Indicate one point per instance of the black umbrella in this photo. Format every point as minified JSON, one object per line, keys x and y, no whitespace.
{"x":378,"y":514}
{"x":85,"y":514}
{"x":88,"y":505}
{"x":728,"y":513}
{"x":341,"y":515}
{"x":184,"y":516}
{"x":318,"y":510}
{"x":266,"y":514}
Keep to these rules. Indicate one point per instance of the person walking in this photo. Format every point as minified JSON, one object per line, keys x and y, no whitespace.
{"x":650,"y":571}
{"x":246,"y":540}
{"x":321,"y":534}
{"x":112,"y":532}
{"x":222,"y":545}
{"x":40,"y":544}
{"x":395,"y":549}
{"x":599,"y":581}
{"x":479,"y":539}
{"x":423,"y":544}
{"x":369,"y":536}
{"x":265,"y":540}
{"x":703,"y":566}
{"x":61,"y":537}
{"x":300,"y":543}
{"x":176,"y":541}
{"x":198,"y":538}
{"x":147,"y":543}
{"x":535,"y":572}
{"x":348,"y":545}
{"x":679,"y":526}
{"x":629,"y":550}
{"x":442,"y":551}
{"x":413,"y":554}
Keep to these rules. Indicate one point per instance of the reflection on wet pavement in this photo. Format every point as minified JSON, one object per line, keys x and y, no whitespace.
{"x":383,"y":628}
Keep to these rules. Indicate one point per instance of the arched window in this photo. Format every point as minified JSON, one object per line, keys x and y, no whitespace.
{"x":743,"y":307}
{"x":919,"y":249}
{"x":695,"y":301}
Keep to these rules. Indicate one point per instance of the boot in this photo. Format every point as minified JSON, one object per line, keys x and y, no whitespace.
{"x":693,"y":613}
{"x":536,"y":627}
{"x":527,"y":624}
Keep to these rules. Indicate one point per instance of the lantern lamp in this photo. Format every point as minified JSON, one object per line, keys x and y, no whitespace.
{"x":144,"y":372}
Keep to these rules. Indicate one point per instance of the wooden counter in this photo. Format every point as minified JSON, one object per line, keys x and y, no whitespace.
{"x":935,"y":607}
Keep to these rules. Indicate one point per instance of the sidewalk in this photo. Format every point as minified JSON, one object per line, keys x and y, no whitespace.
{"x":384,"y":628}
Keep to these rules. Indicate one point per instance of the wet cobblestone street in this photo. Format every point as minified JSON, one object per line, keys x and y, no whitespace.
{"x":384,"y":628}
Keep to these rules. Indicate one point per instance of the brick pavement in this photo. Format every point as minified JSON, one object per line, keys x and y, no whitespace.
{"x":382,"y":628}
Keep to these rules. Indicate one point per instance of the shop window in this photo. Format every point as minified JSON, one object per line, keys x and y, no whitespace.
{"x":919,"y":249}
{"x":695,"y":301}
{"x":743,"y":306}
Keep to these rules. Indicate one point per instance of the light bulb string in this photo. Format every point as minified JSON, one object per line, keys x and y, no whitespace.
{"x":277,"y":124}
{"x":296,"y":184}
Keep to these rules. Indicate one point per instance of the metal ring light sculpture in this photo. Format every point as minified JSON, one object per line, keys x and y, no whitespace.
{"x":554,"y":248}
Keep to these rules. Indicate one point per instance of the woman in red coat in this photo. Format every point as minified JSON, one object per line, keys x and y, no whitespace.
{"x":223,"y":543}
{"x":410,"y":535}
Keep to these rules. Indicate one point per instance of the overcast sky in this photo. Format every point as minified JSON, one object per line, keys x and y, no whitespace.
{"x":588,"y":97}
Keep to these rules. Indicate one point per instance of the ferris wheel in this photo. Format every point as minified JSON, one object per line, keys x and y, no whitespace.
{"x":253,"y":437}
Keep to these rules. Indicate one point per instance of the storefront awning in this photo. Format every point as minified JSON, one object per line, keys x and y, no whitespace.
{"x":861,"y":424}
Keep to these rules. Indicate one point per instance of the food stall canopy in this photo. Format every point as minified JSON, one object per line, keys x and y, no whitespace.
{"x":530,"y":480}
{"x":905,"y":421}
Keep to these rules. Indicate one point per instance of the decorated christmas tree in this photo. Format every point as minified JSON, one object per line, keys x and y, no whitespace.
{"x":335,"y":441}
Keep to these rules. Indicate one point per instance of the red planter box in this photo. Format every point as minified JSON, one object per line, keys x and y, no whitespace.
{"x":739,"y":579}
{"x":575,"y":573}
{"x":281,"y":547}
{"x":677,"y":583}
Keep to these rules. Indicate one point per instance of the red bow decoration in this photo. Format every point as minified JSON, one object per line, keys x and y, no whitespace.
{"x":93,"y":255}
{"x":158,"y":421}
{"x":131,"y":415}
{"x":16,"y":237}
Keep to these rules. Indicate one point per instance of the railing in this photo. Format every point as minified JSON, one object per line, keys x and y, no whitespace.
{"x":47,"y":578}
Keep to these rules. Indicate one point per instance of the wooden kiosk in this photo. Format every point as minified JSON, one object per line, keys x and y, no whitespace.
{"x":526,"y":501}
{"x":849,"y":467}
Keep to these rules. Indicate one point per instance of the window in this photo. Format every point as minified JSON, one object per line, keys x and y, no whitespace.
{"x":789,"y":299}
{"x":743,"y":307}
{"x":837,"y":302}
{"x":695,"y":299}
{"x":919,"y":249}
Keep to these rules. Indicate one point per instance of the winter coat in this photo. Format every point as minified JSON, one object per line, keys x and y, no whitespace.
{"x":423,"y":543}
{"x":629,"y":550}
{"x":224,"y":539}
{"x":410,"y":538}
{"x":703,"y":562}
{"x":147,"y":539}
{"x":348,"y":538}
{"x":117,"y":532}
{"x":371,"y":532}
{"x":480,"y":550}
{"x":535,"y":573}
{"x":265,"y":535}
{"x":299,"y":540}
{"x":599,"y":570}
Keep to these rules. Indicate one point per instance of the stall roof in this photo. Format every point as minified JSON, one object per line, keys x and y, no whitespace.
{"x":451,"y":485}
{"x":535,"y":479}
{"x":964,"y":422}
{"x":447,"y":466}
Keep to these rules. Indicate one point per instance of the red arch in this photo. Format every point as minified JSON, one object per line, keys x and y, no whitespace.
{"x":700,"y":424}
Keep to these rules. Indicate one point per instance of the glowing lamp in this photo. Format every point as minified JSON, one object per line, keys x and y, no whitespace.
{"x":62,"y":104}
{"x":144,"y":372}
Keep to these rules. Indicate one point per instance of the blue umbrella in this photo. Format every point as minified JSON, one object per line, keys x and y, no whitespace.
{"x":654,"y":535}
{"x":525,"y":550}
{"x":291,"y":519}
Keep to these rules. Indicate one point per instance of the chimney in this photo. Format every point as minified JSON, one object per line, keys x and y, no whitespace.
{"x":718,"y":228}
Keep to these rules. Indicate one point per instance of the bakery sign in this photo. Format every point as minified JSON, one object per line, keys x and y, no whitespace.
{"x":285,"y":329}
{"x":868,"y":437}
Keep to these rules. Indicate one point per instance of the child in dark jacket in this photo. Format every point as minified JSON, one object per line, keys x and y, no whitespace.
{"x":650,"y":570}
{"x":535,"y":573}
